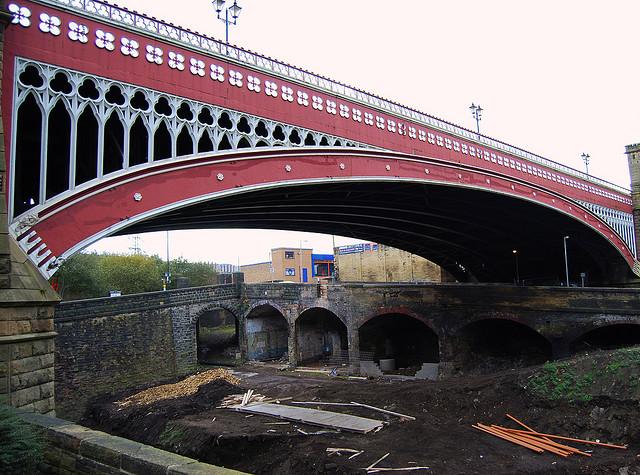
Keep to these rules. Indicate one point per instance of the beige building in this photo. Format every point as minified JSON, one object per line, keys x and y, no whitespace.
{"x":287,"y":264}
{"x":378,"y":263}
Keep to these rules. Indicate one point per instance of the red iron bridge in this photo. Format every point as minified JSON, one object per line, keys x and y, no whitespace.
{"x":119,"y":123}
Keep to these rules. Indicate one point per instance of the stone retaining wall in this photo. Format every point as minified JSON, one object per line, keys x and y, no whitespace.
{"x":74,"y":449}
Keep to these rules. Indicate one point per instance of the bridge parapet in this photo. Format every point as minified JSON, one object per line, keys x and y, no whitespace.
{"x":108,"y":306}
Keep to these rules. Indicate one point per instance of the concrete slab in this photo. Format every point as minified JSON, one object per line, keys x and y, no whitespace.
{"x":315,"y":417}
{"x":428,"y":371}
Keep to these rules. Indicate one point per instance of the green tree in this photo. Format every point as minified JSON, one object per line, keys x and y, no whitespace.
{"x":198,"y":273}
{"x":21,"y":445}
{"x":78,"y":277}
{"x":130,"y":274}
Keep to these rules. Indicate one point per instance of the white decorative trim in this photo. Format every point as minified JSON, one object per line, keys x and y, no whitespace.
{"x":303,"y":98}
{"x":235,"y":78}
{"x":287,"y":93}
{"x":217,"y":73}
{"x":149,"y":26}
{"x":21,"y":15}
{"x":78,"y":32}
{"x":176,"y":61}
{"x":49,"y":24}
{"x":197,"y":67}
{"x":129,"y":47}
{"x":154,"y":54}
{"x":105,"y":40}
{"x":253,"y":83}
{"x":271,"y":89}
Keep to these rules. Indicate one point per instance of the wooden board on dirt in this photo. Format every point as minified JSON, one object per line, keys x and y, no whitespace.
{"x":315,"y":417}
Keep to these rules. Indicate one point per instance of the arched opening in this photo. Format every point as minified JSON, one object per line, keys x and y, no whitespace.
{"x":244,"y":143}
{"x":161,"y":143}
{"x":58,"y":150}
{"x":87,"y":147}
{"x":608,"y":338}
{"x":224,"y":143}
{"x":185,"y":142}
{"x":113,"y":144}
{"x":267,"y":334}
{"x":205,"y":144}
{"x":138,"y":143}
{"x":28,"y":144}
{"x":399,"y":337}
{"x":321,"y":337}
{"x":217,"y":337}
{"x":492,"y":345}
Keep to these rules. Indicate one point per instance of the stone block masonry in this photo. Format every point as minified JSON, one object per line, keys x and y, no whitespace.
{"x":107,"y":354}
{"x":71,"y":449}
{"x":26,"y":310}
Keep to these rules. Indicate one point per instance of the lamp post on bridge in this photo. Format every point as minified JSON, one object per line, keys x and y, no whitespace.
{"x":233,"y":11}
{"x":476,"y":112}
{"x":585,"y":159}
{"x":515,"y":255}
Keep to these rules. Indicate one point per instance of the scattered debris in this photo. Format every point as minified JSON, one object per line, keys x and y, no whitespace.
{"x":339,"y":451}
{"x":401,"y":416}
{"x":241,"y":399}
{"x":186,"y":387}
{"x":539,"y":442}
{"x":356,"y":454}
{"x":378,"y":461}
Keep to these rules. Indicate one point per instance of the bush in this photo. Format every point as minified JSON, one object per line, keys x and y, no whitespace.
{"x":21,"y":444}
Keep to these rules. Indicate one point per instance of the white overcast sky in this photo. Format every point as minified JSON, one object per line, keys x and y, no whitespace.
{"x":557,"y":78}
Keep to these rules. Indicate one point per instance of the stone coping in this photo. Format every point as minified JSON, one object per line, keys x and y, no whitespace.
{"x":13,"y":339}
{"x":115,"y":454}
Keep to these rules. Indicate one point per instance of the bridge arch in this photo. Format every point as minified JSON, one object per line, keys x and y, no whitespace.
{"x":400,"y":334}
{"x":267,"y":331}
{"x":607,"y":336}
{"x":321,"y":335}
{"x":218,"y":334}
{"x":433,"y":233}
{"x":493,"y":343}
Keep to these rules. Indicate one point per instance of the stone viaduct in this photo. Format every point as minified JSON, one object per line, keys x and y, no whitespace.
{"x":108,"y":344}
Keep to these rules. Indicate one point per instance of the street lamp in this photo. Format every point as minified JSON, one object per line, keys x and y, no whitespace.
{"x":566,"y":261}
{"x":585,"y":159}
{"x":476,"y":112}
{"x":515,"y":255}
{"x":233,"y":11}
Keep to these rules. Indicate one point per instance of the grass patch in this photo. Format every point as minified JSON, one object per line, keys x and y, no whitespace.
{"x":583,"y":378}
{"x":172,"y":435}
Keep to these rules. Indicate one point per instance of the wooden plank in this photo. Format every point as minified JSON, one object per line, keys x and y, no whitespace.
{"x":315,"y":417}
{"x":397,"y":414}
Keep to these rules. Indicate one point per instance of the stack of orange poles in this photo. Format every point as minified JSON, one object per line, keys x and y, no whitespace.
{"x":539,"y":442}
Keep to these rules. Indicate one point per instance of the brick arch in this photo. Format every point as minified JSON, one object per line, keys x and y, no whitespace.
{"x":232,"y":309}
{"x":456,"y":328}
{"x":262,"y":303}
{"x":322,"y":307}
{"x":574,"y":337}
{"x":411,"y":340}
{"x":401,"y":311}
{"x":320,"y":335}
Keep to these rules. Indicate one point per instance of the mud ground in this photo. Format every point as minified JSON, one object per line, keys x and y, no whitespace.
{"x":441,"y":437}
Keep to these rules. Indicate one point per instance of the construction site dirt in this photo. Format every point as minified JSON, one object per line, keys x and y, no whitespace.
{"x":441,"y":437}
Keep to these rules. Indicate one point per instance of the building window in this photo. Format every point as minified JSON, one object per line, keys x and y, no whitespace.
{"x":288,"y":255}
{"x":290,"y":271}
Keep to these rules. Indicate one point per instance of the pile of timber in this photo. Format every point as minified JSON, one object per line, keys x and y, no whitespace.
{"x":186,"y":387}
{"x":250,"y":396}
{"x":539,"y":442}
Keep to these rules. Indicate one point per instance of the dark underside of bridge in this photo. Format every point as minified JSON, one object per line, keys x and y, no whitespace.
{"x":470,"y":233}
